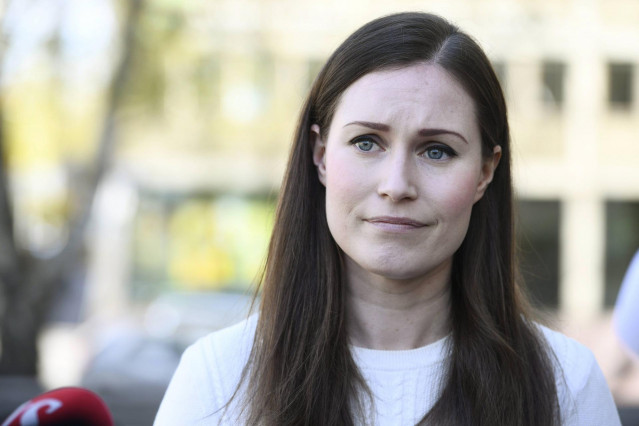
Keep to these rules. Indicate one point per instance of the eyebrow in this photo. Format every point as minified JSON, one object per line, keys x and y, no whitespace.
{"x":422,"y":132}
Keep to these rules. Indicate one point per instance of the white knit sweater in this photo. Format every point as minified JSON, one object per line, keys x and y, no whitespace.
{"x":405,"y":384}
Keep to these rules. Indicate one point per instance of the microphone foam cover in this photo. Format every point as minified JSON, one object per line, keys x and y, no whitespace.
{"x":69,"y":406}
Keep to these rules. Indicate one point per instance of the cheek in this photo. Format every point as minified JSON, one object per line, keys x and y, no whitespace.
{"x":456,"y":196}
{"x":345,"y":182}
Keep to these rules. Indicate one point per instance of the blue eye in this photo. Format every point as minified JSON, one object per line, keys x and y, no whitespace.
{"x":439,"y":152}
{"x":364,"y":143}
{"x":435,"y":153}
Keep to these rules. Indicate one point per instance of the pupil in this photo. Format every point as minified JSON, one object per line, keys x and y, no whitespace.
{"x":435,"y":153}
{"x":365,"y":146}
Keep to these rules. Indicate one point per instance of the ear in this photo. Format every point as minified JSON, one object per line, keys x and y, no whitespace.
{"x":319,"y":153}
{"x":487,"y":172}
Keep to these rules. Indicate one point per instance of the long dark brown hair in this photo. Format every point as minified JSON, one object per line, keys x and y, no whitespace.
{"x":300,"y":371}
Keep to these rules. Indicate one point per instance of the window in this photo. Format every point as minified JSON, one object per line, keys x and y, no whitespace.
{"x":622,"y":241}
{"x":538,"y":244}
{"x":620,"y":85}
{"x":553,"y":76}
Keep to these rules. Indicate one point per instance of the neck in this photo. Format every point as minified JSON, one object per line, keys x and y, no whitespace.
{"x":391,"y":314}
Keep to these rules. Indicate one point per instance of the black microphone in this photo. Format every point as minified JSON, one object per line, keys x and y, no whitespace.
{"x":69,"y":406}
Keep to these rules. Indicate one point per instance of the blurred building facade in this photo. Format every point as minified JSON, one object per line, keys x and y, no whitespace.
{"x":209,"y":118}
{"x":233,"y":75}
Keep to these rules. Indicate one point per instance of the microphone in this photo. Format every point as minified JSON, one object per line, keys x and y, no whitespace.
{"x":69,"y":406}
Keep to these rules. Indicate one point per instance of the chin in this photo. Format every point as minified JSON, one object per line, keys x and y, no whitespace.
{"x":402,"y":270}
{"x":399,"y":273}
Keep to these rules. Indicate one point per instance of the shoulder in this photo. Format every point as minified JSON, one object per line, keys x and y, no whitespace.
{"x":224,"y":353}
{"x":207,"y":375}
{"x":574,"y":359}
{"x":232,"y":344}
{"x":584,"y":396}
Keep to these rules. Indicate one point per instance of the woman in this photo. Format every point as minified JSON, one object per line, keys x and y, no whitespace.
{"x":389,"y":295}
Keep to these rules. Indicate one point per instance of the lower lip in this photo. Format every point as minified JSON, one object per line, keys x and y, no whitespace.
{"x":395,"y":227}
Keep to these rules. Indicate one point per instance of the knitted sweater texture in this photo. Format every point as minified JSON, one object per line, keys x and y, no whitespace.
{"x":405,"y":384}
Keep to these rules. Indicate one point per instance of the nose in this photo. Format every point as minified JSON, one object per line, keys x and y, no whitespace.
{"x":397,"y":181}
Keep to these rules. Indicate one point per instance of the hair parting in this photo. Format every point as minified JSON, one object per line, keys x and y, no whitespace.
{"x":300,"y":370}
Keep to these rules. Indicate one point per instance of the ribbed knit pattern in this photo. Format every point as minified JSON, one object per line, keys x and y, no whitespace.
{"x":405,"y":384}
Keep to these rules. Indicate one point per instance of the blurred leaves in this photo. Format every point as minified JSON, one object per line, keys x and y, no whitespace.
{"x":208,"y":243}
{"x":49,"y":195}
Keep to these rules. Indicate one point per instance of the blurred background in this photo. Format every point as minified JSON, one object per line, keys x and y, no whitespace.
{"x":143,"y":144}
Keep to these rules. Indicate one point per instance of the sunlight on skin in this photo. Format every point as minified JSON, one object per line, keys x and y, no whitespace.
{"x":403,"y":167}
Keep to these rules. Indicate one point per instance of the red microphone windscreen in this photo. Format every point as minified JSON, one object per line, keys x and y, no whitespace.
{"x":69,"y":406}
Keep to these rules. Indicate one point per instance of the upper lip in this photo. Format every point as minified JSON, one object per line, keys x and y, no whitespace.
{"x":396,"y":220}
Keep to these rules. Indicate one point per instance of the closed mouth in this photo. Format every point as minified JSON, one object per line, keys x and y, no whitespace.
{"x":395,"y":220}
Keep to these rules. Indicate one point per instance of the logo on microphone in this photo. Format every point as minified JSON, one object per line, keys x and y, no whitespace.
{"x":63,"y":406}
{"x":28,"y":412}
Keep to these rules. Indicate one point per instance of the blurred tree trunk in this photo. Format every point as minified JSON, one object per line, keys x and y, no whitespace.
{"x":29,"y":284}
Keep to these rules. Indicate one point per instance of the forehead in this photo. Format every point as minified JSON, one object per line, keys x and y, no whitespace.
{"x":425,"y":93}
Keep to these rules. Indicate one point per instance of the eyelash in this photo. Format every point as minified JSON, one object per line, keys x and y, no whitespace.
{"x":446,"y":150}
{"x":364,"y":138}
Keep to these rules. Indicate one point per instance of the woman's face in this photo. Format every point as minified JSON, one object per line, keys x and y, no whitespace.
{"x":402,"y":166}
